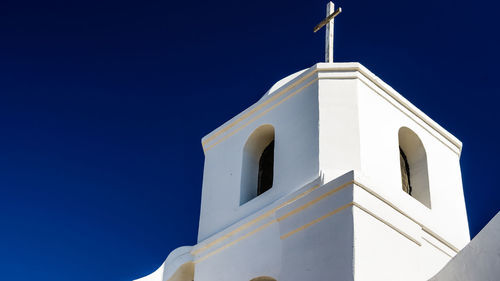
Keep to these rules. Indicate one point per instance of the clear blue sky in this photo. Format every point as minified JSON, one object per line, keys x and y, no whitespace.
{"x":103,"y":105}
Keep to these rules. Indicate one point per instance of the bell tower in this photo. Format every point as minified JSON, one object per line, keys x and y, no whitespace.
{"x":361,"y":183}
{"x":331,"y":175}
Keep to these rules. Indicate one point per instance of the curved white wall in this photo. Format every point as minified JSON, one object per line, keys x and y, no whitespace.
{"x":178,"y":266}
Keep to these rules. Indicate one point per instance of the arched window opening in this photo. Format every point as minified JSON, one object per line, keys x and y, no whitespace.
{"x":257,"y":172}
{"x":413,"y":163}
{"x":266,"y":167}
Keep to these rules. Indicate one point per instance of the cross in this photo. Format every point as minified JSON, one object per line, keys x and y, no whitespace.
{"x":328,"y":21}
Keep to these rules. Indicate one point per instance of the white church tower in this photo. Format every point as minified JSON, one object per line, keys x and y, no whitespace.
{"x":331,"y":175}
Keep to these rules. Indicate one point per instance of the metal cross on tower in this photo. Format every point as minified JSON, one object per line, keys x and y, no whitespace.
{"x":328,"y":21}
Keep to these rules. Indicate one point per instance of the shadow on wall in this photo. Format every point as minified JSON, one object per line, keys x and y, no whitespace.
{"x":184,"y":273}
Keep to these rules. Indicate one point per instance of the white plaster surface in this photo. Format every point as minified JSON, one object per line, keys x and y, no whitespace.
{"x":295,"y":124}
{"x":478,"y":261}
{"x":380,"y":122}
{"x":315,"y":253}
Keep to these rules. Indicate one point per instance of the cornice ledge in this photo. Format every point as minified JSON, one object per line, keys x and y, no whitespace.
{"x":356,"y":66}
{"x":301,"y":76}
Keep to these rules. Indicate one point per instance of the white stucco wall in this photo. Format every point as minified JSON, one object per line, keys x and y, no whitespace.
{"x":294,"y":117}
{"x":339,"y":133}
{"x":295,"y":238}
{"x":342,"y":229}
{"x":479,"y":260}
{"x":390,"y":244}
{"x":380,"y":121}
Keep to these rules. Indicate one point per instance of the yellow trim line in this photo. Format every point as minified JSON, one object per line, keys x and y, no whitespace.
{"x":394,"y":98}
{"x":257,"y":117}
{"x":305,"y":206}
{"x":252,"y":222}
{"x":316,"y":221}
{"x":272,"y":211}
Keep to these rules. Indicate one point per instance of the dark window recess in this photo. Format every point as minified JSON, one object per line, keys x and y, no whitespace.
{"x":266,"y":165}
{"x":405,"y":171}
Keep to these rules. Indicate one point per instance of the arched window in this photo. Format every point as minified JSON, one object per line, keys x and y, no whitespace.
{"x":258,"y":163}
{"x":413,"y":163}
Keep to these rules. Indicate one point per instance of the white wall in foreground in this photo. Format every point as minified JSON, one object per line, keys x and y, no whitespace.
{"x":478,"y":261}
